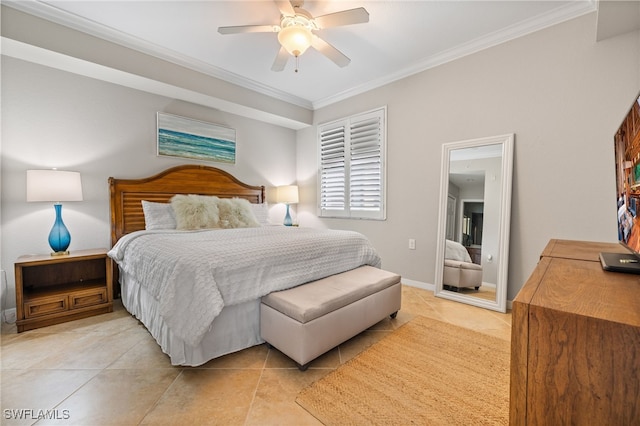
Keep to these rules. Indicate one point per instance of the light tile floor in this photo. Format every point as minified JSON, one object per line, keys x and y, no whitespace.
{"x":107,"y":369}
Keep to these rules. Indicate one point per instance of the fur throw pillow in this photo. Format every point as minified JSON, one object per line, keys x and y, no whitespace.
{"x":236,"y":213}
{"x":195,"y":211}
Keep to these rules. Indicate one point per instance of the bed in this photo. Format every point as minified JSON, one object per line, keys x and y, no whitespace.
{"x":198,"y":291}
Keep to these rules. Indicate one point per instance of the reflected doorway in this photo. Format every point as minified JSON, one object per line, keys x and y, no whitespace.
{"x":451,"y":214}
{"x":472,"y":223}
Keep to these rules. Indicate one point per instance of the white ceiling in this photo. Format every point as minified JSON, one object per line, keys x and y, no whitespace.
{"x":400,"y":39}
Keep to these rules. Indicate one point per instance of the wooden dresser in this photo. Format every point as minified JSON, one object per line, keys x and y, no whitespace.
{"x":575,"y":343}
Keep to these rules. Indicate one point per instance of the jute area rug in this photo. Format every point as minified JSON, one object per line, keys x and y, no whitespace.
{"x":425,"y":373}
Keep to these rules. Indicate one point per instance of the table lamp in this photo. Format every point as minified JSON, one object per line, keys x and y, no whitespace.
{"x":287,"y":194}
{"x":56,"y":186}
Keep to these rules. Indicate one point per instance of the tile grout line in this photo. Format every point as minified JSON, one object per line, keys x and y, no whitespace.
{"x":155,"y":404}
{"x":97,"y":370}
{"x":255,"y":391}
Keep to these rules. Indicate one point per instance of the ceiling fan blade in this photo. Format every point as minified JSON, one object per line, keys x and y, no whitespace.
{"x":248,"y":29}
{"x":346,"y":17}
{"x":329,"y":51}
{"x":281,"y":60}
{"x":285,"y":7}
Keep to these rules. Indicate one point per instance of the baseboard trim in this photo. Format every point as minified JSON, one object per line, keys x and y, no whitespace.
{"x":432,"y":287}
{"x":418,"y":284}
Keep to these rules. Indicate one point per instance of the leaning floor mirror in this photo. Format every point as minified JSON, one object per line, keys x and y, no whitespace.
{"x":472,"y":255}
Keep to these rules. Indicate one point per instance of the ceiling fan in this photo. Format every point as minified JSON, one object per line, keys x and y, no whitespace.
{"x":296,"y":31}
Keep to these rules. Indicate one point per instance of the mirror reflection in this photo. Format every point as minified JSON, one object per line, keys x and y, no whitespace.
{"x":472,"y":253}
{"x":472,"y":212}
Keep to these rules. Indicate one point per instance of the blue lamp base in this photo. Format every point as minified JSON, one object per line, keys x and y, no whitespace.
{"x":59,"y":237}
{"x":287,"y":218}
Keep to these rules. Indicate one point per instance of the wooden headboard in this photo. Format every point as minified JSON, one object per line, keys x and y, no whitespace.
{"x":126,"y":194}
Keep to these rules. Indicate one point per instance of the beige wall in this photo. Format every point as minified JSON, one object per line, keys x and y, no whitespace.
{"x":53,"y":118}
{"x":560,"y":92}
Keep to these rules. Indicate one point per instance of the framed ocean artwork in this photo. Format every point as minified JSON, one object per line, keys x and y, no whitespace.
{"x":198,"y":140}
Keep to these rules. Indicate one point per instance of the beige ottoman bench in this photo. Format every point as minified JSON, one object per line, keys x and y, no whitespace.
{"x":459,"y":274}
{"x":306,"y":321}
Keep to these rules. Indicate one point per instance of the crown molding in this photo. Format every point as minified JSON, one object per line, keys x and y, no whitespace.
{"x":45,"y":11}
{"x":554,"y":17}
{"x":26,"y":52}
{"x":70,"y":20}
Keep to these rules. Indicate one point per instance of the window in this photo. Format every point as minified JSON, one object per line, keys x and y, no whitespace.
{"x":352,"y":166}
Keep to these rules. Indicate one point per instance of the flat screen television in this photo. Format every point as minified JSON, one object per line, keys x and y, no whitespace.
{"x":627,"y":160}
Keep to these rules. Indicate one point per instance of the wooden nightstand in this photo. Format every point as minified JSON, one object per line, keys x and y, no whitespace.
{"x":55,"y":289}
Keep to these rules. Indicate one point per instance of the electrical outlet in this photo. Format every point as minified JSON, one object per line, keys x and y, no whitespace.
{"x":412,"y":244}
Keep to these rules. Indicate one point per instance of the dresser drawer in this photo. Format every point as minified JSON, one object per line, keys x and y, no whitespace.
{"x":45,"y":306}
{"x":94,"y":296}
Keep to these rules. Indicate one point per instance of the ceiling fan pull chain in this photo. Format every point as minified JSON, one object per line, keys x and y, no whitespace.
{"x":297,"y":62}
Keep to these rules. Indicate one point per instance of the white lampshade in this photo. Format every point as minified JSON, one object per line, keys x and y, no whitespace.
{"x":295,"y":39}
{"x":287,"y":194}
{"x":53,"y":185}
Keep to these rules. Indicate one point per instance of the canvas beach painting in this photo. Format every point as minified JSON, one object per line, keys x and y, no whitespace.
{"x":198,"y":140}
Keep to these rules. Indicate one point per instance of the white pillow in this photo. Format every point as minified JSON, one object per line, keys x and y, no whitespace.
{"x":195,"y":211}
{"x":158,"y":215}
{"x":261,"y":212}
{"x":236,"y":213}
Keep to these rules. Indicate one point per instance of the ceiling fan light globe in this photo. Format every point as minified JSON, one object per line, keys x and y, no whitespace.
{"x":295,"y":39}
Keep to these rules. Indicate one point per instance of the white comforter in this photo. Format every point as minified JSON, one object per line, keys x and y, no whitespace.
{"x":194,"y":274}
{"x":456,"y":251}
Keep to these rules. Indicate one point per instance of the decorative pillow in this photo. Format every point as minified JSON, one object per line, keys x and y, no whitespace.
{"x":158,"y":215}
{"x":195,"y":211}
{"x":261,"y":212}
{"x":236,"y":213}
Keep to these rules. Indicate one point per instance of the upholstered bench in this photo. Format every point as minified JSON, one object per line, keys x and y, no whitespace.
{"x":306,"y":321}
{"x":459,"y":274}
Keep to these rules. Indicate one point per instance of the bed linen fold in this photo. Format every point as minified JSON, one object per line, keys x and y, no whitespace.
{"x":194,"y":274}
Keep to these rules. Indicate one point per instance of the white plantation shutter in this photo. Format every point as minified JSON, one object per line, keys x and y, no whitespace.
{"x":333,"y":165}
{"x":365,"y":177}
{"x":352,"y":172}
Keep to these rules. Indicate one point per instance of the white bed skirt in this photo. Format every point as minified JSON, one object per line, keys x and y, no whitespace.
{"x":236,"y":328}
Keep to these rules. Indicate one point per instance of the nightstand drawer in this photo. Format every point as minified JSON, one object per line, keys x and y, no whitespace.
{"x":94,"y":296}
{"x":45,"y":306}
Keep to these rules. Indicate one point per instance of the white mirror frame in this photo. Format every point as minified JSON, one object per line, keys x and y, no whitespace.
{"x":500,"y":304}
